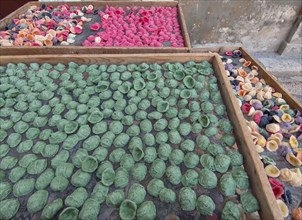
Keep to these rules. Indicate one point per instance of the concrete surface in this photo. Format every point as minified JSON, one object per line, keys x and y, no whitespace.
{"x":260,"y":25}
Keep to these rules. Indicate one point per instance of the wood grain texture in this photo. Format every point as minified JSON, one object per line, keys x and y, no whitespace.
{"x":25,"y":50}
{"x":263,"y":73}
{"x":259,"y":183}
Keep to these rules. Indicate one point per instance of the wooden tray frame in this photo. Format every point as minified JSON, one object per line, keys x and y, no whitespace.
{"x":27,"y":50}
{"x":258,"y":179}
{"x":263,"y":73}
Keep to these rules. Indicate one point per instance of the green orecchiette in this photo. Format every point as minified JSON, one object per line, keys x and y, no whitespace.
{"x":173,"y":174}
{"x":77,"y":198}
{"x":100,"y":153}
{"x":59,"y":183}
{"x":27,"y":159}
{"x":236,"y":157}
{"x":37,"y":166}
{"x":80,"y":178}
{"x":155,"y":186}
{"x":70,"y":213}
{"x":23,"y":187}
{"x":51,"y":209}
{"x":227,"y":185}
{"x":127,"y":161}
{"x":8,"y":162}
{"x":89,"y":164}
{"x":91,"y":143}
{"x":157,"y":168}
{"x":146,"y":211}
{"x":205,"y":205}
{"x":37,"y":201}
{"x":150,"y":154}
{"x":139,"y":171}
{"x":167,"y":195}
{"x":215,"y":149}
{"x":191,"y":160}
{"x":64,"y":169}
{"x":127,"y":210}
{"x":6,"y":189}
{"x":9,"y":208}
{"x":137,"y":193}
{"x":115,"y":198}
{"x":249,"y":202}
{"x":230,"y":211}
{"x":176,"y":157}
{"x":240,"y":177}
{"x":16,"y":174}
{"x":222,"y":163}
{"x":207,"y":161}
{"x":190,"y":178}
{"x":62,"y":156}
{"x":187,"y":199}
{"x":99,"y":192}
{"x":207,"y":178}
{"x":121,"y":178}
{"x":44,"y":179}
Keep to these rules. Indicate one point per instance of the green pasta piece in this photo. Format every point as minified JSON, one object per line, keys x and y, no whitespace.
{"x":116,"y":155}
{"x":222,"y":163}
{"x":230,"y":211}
{"x":21,"y":127}
{"x":90,"y":209}
{"x":38,"y":147}
{"x":127,"y":210}
{"x":164,"y":151}
{"x":241,"y":178}
{"x":107,"y":139}
{"x":51,"y":209}
{"x":191,"y":160}
{"x":204,"y":120}
{"x":76,"y":198}
{"x":80,"y":178}
{"x":133,"y":130}
{"x":146,"y":126}
{"x":121,"y":178}
{"x":92,"y":142}
{"x":37,"y":201}
{"x":95,"y":117}
{"x":173,"y":174}
{"x":155,"y":115}
{"x":205,"y":205}
{"x":160,"y":124}
{"x":4,"y":149}
{"x":183,"y":113}
{"x":176,"y":157}
{"x":150,"y":154}
{"x":207,"y":179}
{"x":99,"y":128}
{"x":99,"y":192}
{"x":127,"y":120}
{"x":139,"y":171}
{"x":26,"y":160}
{"x":44,"y":110}
{"x":16,"y":174}
{"x":79,"y":157}
{"x":226,"y":126}
{"x":144,"y":104}
{"x":62,"y":156}
{"x":13,"y":139}
{"x":137,"y":193}
{"x":146,"y":211}
{"x":50,"y":150}
{"x":190,"y":178}
{"x":215,"y":149}
{"x":173,"y":123}
{"x":8,"y":162}
{"x":115,"y":198}
{"x":174,"y":137}
{"x":117,"y":115}
{"x":23,"y":187}
{"x":227,"y":185}
{"x":157,"y":168}
{"x":44,"y":179}
{"x":5,"y":125}
{"x":83,"y":132}
{"x":70,"y":142}
{"x":184,"y":128}
{"x":71,"y":127}
{"x":207,"y":161}
{"x":100,"y":154}
{"x":189,"y":82}
{"x":172,"y":112}
{"x":228,"y":140}
{"x":6,"y":189}
{"x":167,"y":195}
{"x":37,"y":166}
{"x":57,"y":137}
{"x":45,"y":134}
{"x":185,"y":93}
{"x":64,"y":169}
{"x":9,"y":208}
{"x":187,"y":145}
{"x":121,"y":140}
{"x":116,"y":127}
{"x":141,"y":115}
{"x":69,"y":213}
{"x":187,"y":199}
{"x":236,"y":157}
{"x":249,"y":202}
{"x":59,"y":183}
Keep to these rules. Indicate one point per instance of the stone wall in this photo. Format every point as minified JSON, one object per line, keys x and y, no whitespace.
{"x":258,"y":25}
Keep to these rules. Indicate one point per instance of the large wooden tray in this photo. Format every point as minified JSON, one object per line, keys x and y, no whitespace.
{"x":259,"y":182}
{"x":263,"y":73}
{"x":26,"y":50}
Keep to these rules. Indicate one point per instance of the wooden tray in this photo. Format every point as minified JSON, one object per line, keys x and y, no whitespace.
{"x":26,"y":50}
{"x":259,"y":182}
{"x":263,"y":73}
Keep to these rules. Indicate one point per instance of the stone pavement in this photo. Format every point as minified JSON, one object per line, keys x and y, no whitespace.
{"x":288,"y":71}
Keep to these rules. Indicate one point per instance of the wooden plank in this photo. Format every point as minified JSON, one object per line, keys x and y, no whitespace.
{"x":258,"y":178}
{"x":259,"y":182}
{"x":26,"y":50}
{"x":263,"y":73}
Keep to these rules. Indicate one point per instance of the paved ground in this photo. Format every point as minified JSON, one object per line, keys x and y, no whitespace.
{"x":288,"y":71}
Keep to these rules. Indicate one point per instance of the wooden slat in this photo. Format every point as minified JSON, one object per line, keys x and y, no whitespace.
{"x":26,"y":50}
{"x":259,"y":183}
